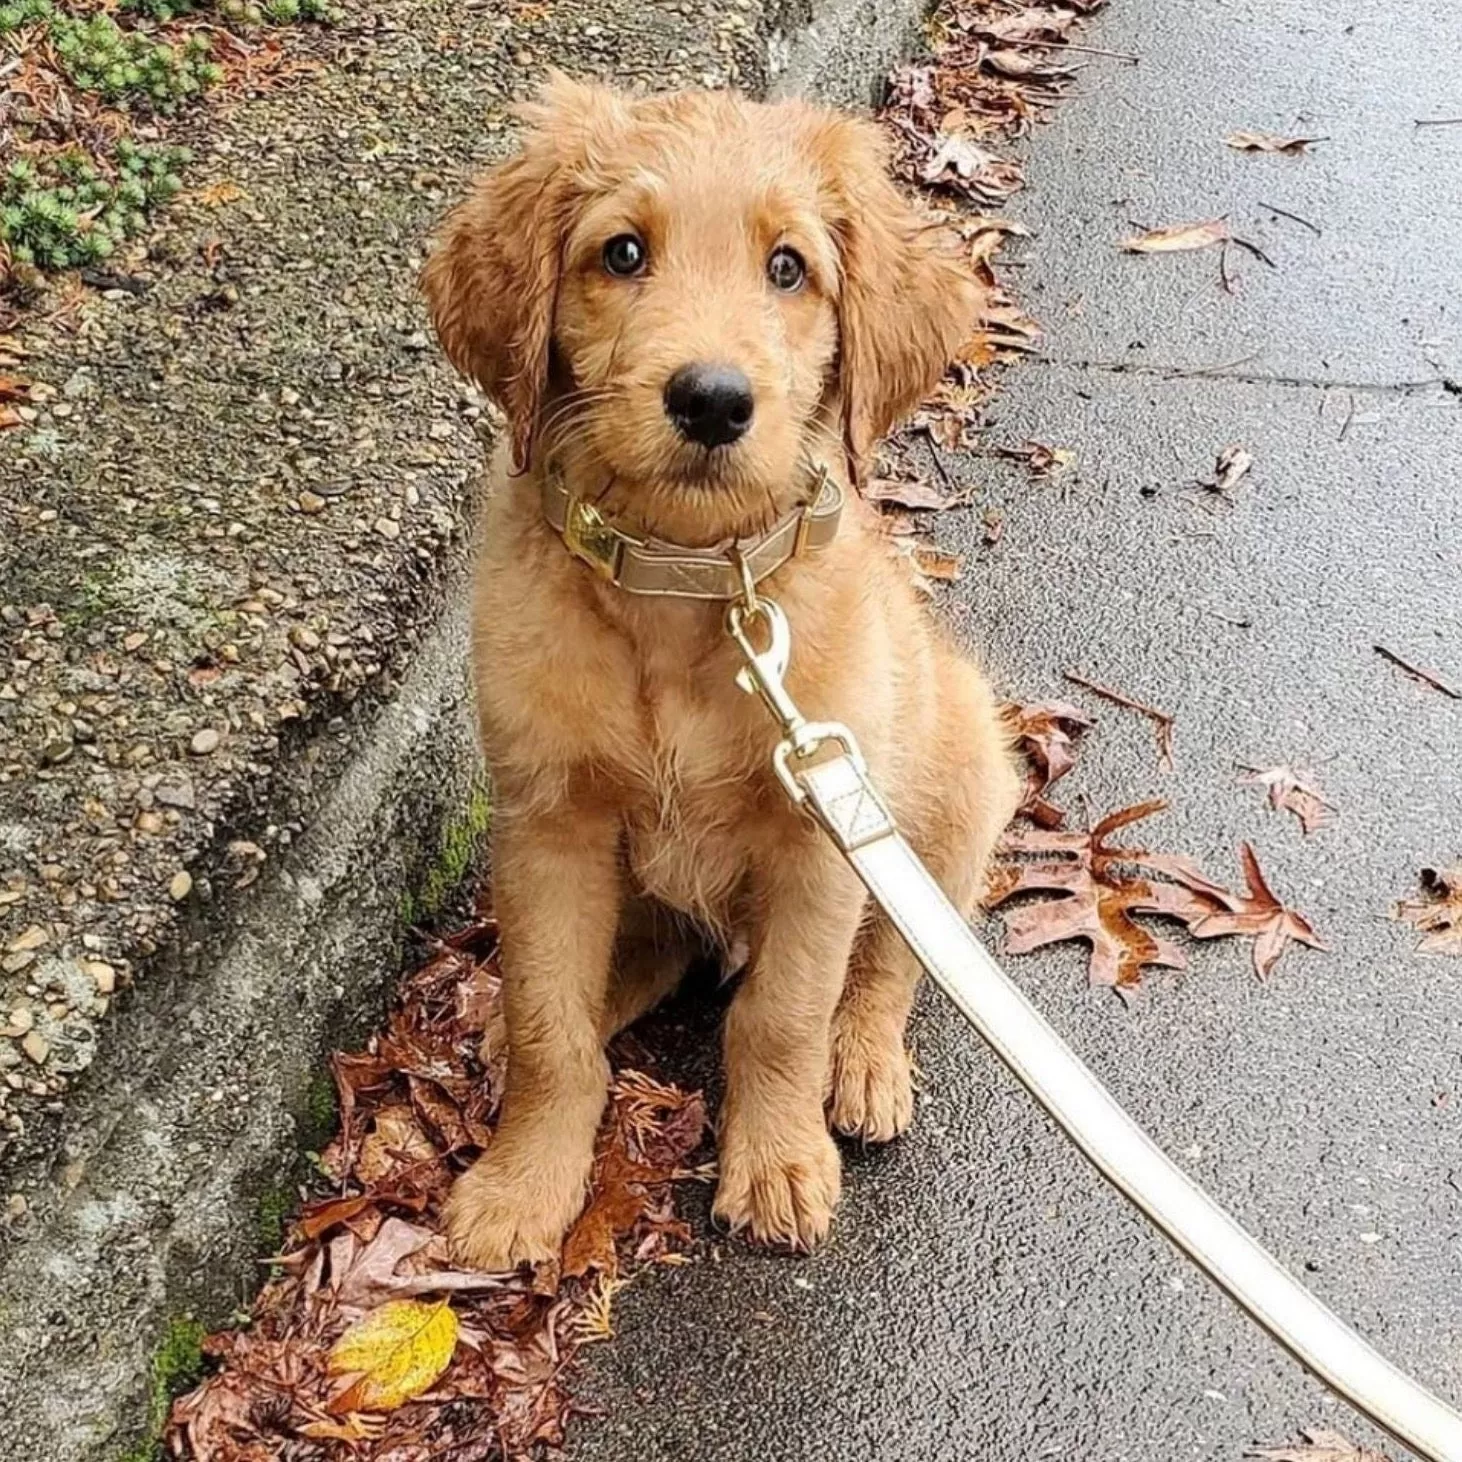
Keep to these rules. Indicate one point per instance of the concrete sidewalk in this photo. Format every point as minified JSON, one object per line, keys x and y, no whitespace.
{"x":983,"y":1297}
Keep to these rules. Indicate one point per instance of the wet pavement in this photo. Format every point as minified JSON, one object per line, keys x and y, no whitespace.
{"x":983,"y":1295}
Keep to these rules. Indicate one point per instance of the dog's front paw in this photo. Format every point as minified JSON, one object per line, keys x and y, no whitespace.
{"x":503,"y":1212}
{"x":872,"y":1094}
{"x":779,"y":1187}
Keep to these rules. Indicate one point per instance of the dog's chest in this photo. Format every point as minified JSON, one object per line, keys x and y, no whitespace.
{"x":691,"y":805}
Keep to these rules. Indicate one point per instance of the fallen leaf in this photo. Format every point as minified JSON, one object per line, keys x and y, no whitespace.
{"x":319,"y":1218}
{"x":1260,"y":914}
{"x":1023,"y":66}
{"x":1437,"y":913}
{"x":1097,"y":899}
{"x":934,"y":563}
{"x":1292,"y":791}
{"x":968,"y":168}
{"x":1229,"y":466}
{"x":1034,"y":22}
{"x":917,"y":494}
{"x":362,"y":1274}
{"x":215,"y":195}
{"x":1043,"y":460}
{"x":1267,"y":142}
{"x":1045,"y":730}
{"x":1103,"y":887}
{"x":1320,"y":1445}
{"x":1177,"y":237}
{"x":355,"y":1428}
{"x":415,"y":1107}
{"x":596,"y":1321}
{"x":397,"y":1351}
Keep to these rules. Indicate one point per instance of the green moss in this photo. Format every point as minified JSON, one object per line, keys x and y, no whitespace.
{"x":462,"y":839}
{"x":271,"y":1210}
{"x":177,"y":1365}
{"x":320,"y":1116}
{"x":95,"y":597}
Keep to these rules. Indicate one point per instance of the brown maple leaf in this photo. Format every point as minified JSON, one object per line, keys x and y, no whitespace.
{"x":1045,"y":730}
{"x":1292,"y":791}
{"x":1319,"y":1444}
{"x":1260,"y":914}
{"x":1103,"y":887}
{"x":1099,"y":898}
{"x":1437,"y":913}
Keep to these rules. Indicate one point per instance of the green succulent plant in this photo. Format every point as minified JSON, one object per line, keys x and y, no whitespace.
{"x":65,"y":212}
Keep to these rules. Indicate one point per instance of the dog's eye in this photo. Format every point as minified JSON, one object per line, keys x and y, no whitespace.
{"x":624,"y":255}
{"x":786,"y":269}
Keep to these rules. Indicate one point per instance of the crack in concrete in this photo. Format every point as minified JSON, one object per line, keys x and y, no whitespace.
{"x":1218,"y":373}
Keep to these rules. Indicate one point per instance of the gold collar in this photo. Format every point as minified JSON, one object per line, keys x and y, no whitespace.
{"x":652,"y":566}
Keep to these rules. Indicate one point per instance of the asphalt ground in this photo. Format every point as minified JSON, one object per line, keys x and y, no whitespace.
{"x":983,"y":1296}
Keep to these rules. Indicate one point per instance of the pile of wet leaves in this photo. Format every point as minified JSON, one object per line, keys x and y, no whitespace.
{"x":368,"y":1342}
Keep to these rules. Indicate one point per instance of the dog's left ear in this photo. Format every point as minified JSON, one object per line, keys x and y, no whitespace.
{"x":492,"y":282}
{"x":907,"y":301}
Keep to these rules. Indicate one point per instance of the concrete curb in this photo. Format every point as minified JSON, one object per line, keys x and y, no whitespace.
{"x":187,"y":1144}
{"x":165,"y":1223}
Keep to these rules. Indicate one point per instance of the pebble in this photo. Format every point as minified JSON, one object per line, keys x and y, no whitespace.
{"x":204,"y":741}
{"x":304,"y":638}
{"x":104,"y":975}
{"x":16,"y":1205}
{"x":21,"y":1019}
{"x":56,"y":752}
{"x":388,"y":528}
{"x":181,"y":886}
{"x":176,"y":794}
{"x":32,"y":938}
{"x":311,"y":502}
{"x":36,"y":1046}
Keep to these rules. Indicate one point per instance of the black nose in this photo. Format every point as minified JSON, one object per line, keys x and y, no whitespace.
{"x":709,"y":404}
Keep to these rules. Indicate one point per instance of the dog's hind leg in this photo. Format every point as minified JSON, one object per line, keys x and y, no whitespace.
{"x":654,"y":948}
{"x":972,"y":795}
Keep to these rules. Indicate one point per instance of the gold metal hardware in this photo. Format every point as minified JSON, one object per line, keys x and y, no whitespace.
{"x":591,"y":538}
{"x":762,"y":676}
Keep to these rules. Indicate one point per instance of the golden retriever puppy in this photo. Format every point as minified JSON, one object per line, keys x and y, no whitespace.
{"x":687,"y":305}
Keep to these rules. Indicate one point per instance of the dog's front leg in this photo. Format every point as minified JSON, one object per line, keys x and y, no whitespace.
{"x":557,"y":890}
{"x":779,"y":1167}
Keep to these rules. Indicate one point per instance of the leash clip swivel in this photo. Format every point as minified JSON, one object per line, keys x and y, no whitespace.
{"x":761,"y":676}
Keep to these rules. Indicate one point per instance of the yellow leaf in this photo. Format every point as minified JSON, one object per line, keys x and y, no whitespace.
{"x":398,"y":1351}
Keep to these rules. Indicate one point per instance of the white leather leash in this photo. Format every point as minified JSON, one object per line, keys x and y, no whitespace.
{"x":837,"y":792}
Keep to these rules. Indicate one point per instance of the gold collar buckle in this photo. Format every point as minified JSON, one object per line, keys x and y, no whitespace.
{"x":590,"y":538}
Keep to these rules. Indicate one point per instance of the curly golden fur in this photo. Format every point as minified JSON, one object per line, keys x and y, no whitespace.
{"x":636,"y":813}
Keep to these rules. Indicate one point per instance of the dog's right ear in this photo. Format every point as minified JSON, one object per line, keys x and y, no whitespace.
{"x":492,"y":280}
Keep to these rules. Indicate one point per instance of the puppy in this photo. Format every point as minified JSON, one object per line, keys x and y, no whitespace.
{"x":685,"y":305}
